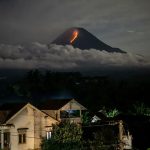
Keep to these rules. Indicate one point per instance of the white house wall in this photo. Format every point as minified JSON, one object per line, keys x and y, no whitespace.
{"x":52,"y":113}
{"x":22,"y":120}
{"x":41,"y":121}
{"x":35,"y":121}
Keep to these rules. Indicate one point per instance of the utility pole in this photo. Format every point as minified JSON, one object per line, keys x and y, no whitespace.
{"x":120,"y":135}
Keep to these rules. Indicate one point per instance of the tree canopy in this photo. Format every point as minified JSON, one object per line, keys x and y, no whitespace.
{"x":65,"y":136}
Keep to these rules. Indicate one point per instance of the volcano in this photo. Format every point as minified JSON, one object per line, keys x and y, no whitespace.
{"x":82,"y":39}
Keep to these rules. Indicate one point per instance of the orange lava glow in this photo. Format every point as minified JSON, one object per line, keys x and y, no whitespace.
{"x":74,"y":36}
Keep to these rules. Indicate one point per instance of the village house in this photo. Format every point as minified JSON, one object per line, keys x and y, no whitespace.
{"x":23,"y":126}
{"x":64,"y":109}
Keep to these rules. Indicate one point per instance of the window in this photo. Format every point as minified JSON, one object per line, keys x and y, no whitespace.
{"x":22,"y":138}
{"x":22,"y":135}
{"x":48,"y":134}
{"x":6,"y":139}
{"x":69,"y":113}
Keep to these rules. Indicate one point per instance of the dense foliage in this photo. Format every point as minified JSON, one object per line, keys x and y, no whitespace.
{"x":65,"y":136}
{"x":70,"y":136}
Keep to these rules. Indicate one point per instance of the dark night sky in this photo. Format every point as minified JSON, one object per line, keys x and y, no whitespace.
{"x":124,"y":24}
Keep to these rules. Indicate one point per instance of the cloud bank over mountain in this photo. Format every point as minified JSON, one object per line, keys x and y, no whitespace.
{"x":67,"y":58}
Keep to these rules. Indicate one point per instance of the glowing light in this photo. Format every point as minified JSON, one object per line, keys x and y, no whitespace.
{"x":74,"y":36}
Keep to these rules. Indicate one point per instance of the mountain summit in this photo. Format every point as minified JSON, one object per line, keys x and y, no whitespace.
{"x":82,"y":39}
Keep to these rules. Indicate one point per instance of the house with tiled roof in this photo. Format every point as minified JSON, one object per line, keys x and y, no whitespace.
{"x":23,"y":126}
{"x":64,"y":109}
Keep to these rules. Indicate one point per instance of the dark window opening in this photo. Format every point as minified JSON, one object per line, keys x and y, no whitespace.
{"x":22,"y":138}
{"x":22,"y":135}
{"x":70,"y":114}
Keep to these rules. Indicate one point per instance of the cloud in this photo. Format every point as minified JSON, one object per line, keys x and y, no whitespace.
{"x":58,"y":57}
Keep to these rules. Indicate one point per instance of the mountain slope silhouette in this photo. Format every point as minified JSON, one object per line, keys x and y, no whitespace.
{"x":82,"y":39}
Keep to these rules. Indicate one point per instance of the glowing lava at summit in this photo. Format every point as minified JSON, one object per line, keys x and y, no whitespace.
{"x":74,"y":36}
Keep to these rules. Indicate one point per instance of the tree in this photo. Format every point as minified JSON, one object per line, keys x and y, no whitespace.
{"x":139,"y":108}
{"x":86,"y":118}
{"x":65,"y":136}
{"x":112,"y":113}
